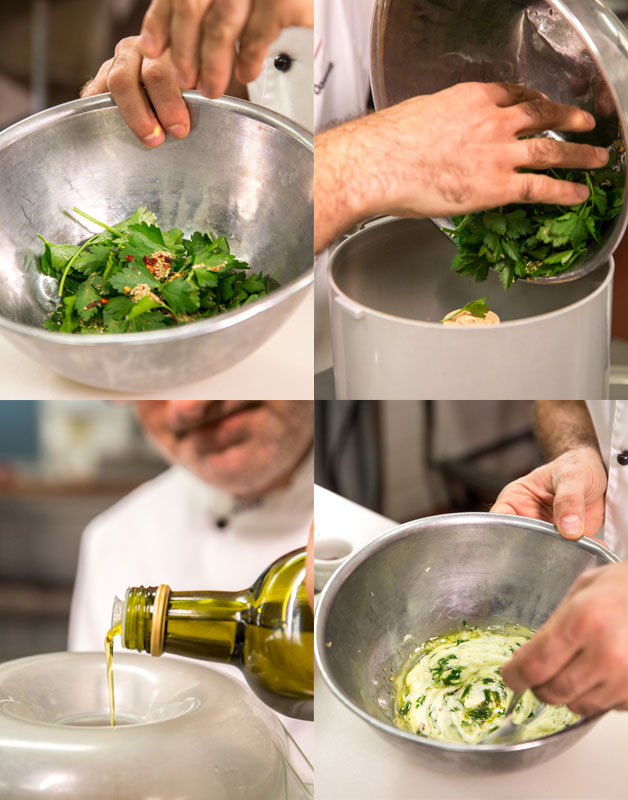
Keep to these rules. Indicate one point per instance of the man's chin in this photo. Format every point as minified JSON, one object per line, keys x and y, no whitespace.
{"x":231,"y":468}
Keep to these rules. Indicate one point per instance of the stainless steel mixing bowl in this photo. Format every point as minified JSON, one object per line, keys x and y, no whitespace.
{"x":576,"y":51}
{"x":422,"y":579}
{"x":243,"y":171}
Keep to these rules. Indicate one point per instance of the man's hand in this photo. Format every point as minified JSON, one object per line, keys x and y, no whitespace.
{"x":202,"y":35}
{"x":132,"y":79}
{"x":568,"y":491}
{"x":448,"y":153}
{"x":579,"y":657}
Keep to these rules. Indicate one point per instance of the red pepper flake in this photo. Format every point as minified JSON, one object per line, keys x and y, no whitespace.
{"x":130,"y":258}
{"x":104,"y":300}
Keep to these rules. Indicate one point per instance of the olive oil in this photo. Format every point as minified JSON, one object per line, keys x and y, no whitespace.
{"x":266,"y":631}
{"x":115,"y":631}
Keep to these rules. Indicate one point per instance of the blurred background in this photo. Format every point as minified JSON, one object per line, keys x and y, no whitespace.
{"x":50,"y":48}
{"x":407,"y":459}
{"x":61,"y":463}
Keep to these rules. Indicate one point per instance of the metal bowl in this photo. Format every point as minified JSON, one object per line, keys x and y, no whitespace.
{"x":243,"y":172}
{"x":422,"y":579}
{"x":575,"y":51}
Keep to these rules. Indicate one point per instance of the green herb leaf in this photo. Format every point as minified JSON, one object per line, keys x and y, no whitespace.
{"x":132,"y":276}
{"x":477,"y":308}
{"x":181,"y":295}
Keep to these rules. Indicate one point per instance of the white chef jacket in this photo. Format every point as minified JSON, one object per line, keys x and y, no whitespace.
{"x":610,"y":418}
{"x":341,"y":91}
{"x":169,"y":531}
{"x":290,"y":92}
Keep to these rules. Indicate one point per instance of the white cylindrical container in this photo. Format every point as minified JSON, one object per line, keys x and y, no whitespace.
{"x":390,"y":285}
{"x":183,"y":732}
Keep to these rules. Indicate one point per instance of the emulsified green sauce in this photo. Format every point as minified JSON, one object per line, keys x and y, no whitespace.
{"x":451,"y":688}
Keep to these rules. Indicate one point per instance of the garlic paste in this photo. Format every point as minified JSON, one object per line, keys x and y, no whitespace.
{"x":451,"y":688}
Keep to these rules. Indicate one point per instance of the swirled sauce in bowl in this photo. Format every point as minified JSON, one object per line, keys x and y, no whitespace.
{"x":451,"y":688}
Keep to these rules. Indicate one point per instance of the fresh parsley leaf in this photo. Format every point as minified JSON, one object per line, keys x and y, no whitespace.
{"x":142,"y":305}
{"x":181,"y":295}
{"x":150,"y":321}
{"x":132,"y":276}
{"x":88,"y":301}
{"x":195,"y":278}
{"x":536,"y":240}
{"x":476,"y":307}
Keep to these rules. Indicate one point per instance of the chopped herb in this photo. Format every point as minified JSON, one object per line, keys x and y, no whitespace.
{"x":537,"y":240}
{"x":135,"y":277}
{"x":452,"y":677}
{"x":420,"y":701}
{"x":480,"y":713}
{"x":404,"y":710}
{"x":464,"y":623}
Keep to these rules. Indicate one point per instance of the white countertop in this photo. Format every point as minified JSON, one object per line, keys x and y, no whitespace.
{"x":282,"y":369}
{"x":354,"y":762}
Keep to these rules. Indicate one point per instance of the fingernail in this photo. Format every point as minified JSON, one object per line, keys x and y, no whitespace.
{"x":178,"y":131}
{"x":582,"y":191}
{"x":155,"y":138}
{"x":589,"y":118}
{"x":602,"y":153}
{"x":570,"y":524}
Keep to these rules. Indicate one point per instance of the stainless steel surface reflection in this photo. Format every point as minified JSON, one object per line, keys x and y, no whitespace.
{"x":576,"y":51}
{"x":422,"y":579}
{"x":243,"y":171}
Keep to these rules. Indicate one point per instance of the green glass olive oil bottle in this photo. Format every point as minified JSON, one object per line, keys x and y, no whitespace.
{"x":266,"y":631}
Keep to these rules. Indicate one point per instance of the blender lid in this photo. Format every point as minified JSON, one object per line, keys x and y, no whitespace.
{"x":575,"y":51}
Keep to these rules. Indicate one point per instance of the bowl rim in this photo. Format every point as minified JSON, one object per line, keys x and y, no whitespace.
{"x":356,"y":307}
{"x":73,"y":108}
{"x":355,"y":559}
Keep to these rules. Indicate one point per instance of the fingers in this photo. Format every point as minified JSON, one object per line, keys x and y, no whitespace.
{"x":132,"y":79}
{"x":185,"y":34}
{"x":602,"y":697}
{"x":158,"y":77}
{"x":533,"y":188}
{"x":569,"y":506}
{"x":222,"y":26}
{"x":98,"y":84}
{"x":576,"y":680}
{"x":509,"y":94}
{"x":503,"y":507}
{"x":124,"y":83}
{"x":541,"y":114}
{"x":548,"y":652}
{"x":261,"y":30}
{"x":546,"y":153}
{"x":155,"y":33}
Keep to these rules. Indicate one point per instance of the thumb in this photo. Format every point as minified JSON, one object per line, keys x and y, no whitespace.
{"x":569,"y":506}
{"x":503,"y":507}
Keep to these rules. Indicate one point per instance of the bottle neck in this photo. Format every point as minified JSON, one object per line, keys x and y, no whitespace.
{"x":208,"y":625}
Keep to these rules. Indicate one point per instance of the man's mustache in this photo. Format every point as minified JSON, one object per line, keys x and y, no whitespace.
{"x":210,"y":413}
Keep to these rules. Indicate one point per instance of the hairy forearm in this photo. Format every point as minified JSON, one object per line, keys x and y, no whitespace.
{"x":337,"y":204}
{"x":353,"y":170}
{"x":562,"y":425}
